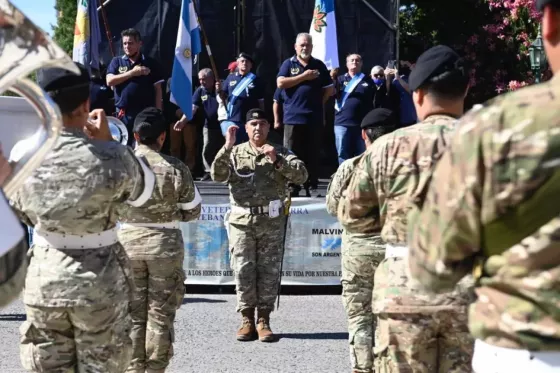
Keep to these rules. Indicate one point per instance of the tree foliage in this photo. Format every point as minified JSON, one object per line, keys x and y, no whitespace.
{"x":492,"y":35}
{"x":64,"y":30}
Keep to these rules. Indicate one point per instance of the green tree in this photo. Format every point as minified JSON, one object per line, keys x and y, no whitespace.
{"x":64,"y":29}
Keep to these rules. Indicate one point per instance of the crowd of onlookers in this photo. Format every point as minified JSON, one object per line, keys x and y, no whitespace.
{"x":311,"y":105}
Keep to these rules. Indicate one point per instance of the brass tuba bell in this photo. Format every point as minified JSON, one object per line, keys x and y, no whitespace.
{"x":24,"y":48}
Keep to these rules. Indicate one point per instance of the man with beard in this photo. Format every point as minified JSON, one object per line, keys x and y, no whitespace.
{"x":257,"y":173}
{"x":307,"y":85}
{"x":136,"y":80}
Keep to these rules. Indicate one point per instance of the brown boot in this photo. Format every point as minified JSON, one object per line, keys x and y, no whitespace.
{"x":263,"y":326}
{"x":247,"y":330}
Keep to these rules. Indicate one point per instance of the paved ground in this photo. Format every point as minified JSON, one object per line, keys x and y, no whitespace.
{"x":312,"y":328}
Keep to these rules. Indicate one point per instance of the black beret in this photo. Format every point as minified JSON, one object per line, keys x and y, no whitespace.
{"x":246,"y":56}
{"x":542,"y":3}
{"x":378,"y":118}
{"x":255,"y":114}
{"x":55,"y":80}
{"x":150,"y":123}
{"x":434,"y":62}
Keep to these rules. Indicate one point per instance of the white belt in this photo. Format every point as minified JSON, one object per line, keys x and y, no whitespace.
{"x":253,"y":210}
{"x":170,"y":225}
{"x":494,"y":359}
{"x":70,"y":241}
{"x":395,"y":251}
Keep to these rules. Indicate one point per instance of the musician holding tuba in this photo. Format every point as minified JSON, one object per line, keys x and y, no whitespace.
{"x":78,"y":281}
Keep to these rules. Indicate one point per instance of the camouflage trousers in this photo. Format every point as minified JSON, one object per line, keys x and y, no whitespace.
{"x":159,"y":294}
{"x":437,"y":342}
{"x":255,"y":251}
{"x":76,"y":339}
{"x":357,"y":287}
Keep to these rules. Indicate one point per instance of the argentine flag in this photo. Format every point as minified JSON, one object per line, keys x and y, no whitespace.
{"x":188,"y":46}
{"x":323,"y":32}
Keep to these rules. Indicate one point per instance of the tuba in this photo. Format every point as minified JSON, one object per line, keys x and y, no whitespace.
{"x":24,"y":48}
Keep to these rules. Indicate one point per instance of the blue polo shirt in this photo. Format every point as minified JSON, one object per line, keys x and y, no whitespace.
{"x":358,"y":103}
{"x":247,"y":100}
{"x":408,"y":111}
{"x":278,"y":96}
{"x":136,"y":93}
{"x":304,"y":102}
{"x":207,"y":103}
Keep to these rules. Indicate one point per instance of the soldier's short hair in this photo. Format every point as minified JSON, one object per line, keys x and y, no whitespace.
{"x":130,"y":32}
{"x":149,"y":125}
{"x":373,"y":133}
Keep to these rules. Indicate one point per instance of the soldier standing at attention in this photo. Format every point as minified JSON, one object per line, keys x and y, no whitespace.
{"x":78,"y":282}
{"x":492,"y":208}
{"x":416,"y":330}
{"x":257,"y":173}
{"x":153,"y":240}
{"x":361,"y":253}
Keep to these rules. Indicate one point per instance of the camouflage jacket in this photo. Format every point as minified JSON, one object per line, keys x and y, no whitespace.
{"x":253,"y":179}
{"x":75,"y":191}
{"x":392,"y":173}
{"x":500,"y":156}
{"x":175,"y":198}
{"x":354,"y":243}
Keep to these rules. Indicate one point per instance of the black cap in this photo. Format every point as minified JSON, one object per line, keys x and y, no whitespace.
{"x":150,"y":123}
{"x":542,"y":3}
{"x":378,"y":118}
{"x":246,"y":56}
{"x":254,"y":114}
{"x":434,"y":62}
{"x":55,"y":80}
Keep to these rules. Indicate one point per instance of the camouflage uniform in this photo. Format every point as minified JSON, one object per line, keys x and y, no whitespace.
{"x":486,"y":205}
{"x":76,"y":297}
{"x":416,"y":331}
{"x":255,"y":239}
{"x":157,"y":257}
{"x":361,"y":254}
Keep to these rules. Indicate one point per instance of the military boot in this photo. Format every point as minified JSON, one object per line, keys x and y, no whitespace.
{"x":247,"y":330}
{"x":263,"y":326}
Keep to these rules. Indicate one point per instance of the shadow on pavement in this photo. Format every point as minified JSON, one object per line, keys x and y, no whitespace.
{"x":202,"y":300}
{"x":334,"y":336}
{"x":14,"y":317}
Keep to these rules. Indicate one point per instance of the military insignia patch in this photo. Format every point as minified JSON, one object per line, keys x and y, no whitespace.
{"x":204,"y":98}
{"x":123,"y":69}
{"x":233,"y":82}
{"x":187,"y":53}
{"x":255,"y":115}
{"x":294,"y":70}
{"x":345,"y":83}
{"x":365,"y":84}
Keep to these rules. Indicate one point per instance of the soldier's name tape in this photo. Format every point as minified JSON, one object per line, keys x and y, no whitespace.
{"x":170,"y":225}
{"x":79,"y":242}
{"x":395,"y":251}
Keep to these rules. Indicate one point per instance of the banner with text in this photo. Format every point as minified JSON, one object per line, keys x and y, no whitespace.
{"x":312,"y":255}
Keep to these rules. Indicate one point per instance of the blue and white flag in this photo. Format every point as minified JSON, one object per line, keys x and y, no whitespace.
{"x":188,"y":45}
{"x":323,"y":32}
{"x":87,"y":35}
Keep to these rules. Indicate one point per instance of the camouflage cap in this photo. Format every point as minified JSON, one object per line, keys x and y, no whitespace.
{"x":434,"y":62}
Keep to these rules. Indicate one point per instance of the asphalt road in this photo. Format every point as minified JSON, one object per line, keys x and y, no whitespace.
{"x":312,"y":331}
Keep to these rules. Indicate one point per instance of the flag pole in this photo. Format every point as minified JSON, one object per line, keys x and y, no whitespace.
{"x":205,"y":39}
{"x":107,"y":28}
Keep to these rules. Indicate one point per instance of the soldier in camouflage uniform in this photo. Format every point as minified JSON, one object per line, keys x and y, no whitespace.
{"x":492,"y":208}
{"x":361,"y":253}
{"x":78,"y":282}
{"x":416,"y":331}
{"x":257,"y":173}
{"x":153,"y":240}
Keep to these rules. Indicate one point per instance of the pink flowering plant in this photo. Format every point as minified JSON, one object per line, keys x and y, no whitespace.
{"x":494,"y":36}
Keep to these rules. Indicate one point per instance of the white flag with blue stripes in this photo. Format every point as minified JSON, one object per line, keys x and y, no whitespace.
{"x":323,"y":32}
{"x":187,"y":47}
